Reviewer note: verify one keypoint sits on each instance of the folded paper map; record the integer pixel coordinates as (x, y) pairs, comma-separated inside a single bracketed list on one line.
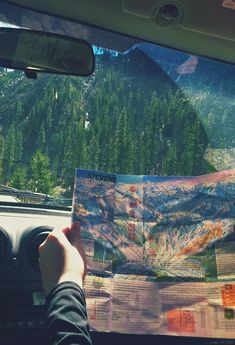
[(160, 252)]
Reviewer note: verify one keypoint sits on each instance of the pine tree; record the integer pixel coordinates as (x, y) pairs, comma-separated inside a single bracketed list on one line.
[(93, 152), (68, 164), (19, 178), (2, 148), (41, 138), (41, 176), (10, 151), (170, 162), (123, 147)]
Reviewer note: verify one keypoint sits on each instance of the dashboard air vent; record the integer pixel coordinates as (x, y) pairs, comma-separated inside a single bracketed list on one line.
[(33, 252)]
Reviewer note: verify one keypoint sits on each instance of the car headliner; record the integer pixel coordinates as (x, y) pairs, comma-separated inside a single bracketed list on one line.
[(204, 27)]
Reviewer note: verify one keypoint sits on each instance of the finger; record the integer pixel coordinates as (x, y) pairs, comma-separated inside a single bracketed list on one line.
[(65, 231), (59, 235), (40, 248), (76, 227)]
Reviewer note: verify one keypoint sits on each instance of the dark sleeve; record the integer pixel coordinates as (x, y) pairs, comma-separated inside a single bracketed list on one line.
[(66, 316)]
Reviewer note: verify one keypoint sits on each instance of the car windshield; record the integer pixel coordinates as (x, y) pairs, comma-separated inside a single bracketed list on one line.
[(146, 110)]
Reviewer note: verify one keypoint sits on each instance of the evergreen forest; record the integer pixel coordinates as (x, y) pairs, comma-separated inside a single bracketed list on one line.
[(128, 118)]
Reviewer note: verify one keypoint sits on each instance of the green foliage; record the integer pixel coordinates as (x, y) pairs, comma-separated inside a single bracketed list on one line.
[(126, 118), (122, 145), (2, 148), (19, 178), (41, 177)]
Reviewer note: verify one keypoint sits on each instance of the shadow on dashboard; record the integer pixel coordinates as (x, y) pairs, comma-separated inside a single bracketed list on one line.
[(127, 339)]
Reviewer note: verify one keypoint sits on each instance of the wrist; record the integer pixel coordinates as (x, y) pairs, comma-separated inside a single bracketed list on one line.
[(65, 277)]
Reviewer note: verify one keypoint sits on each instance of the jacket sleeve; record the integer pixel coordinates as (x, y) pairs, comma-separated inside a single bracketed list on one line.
[(66, 316)]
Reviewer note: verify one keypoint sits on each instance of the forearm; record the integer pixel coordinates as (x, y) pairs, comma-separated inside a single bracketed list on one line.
[(67, 322)]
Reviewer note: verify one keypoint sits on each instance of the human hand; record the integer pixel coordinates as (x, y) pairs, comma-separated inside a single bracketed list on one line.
[(62, 258)]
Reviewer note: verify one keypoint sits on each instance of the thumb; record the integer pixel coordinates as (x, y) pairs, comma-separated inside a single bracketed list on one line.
[(61, 235), (74, 234)]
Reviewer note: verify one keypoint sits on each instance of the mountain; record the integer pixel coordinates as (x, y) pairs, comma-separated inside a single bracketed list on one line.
[(128, 117)]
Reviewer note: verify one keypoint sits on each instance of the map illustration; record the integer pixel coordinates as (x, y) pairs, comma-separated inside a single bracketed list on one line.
[(166, 227), (166, 241)]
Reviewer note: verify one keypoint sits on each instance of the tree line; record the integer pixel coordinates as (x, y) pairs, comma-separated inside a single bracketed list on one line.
[(126, 118)]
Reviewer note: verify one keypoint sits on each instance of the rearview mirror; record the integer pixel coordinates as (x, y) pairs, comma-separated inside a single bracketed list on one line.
[(36, 51)]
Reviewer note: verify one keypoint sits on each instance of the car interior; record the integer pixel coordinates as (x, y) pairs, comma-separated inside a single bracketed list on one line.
[(135, 87)]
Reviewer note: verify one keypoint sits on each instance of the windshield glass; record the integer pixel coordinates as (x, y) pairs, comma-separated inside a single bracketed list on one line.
[(145, 110)]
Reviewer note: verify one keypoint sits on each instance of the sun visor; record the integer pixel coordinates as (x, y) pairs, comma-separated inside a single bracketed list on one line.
[(212, 18), (14, 16), (202, 16), (140, 8)]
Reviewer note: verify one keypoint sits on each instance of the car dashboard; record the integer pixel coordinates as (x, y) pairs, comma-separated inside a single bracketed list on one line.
[(22, 230)]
